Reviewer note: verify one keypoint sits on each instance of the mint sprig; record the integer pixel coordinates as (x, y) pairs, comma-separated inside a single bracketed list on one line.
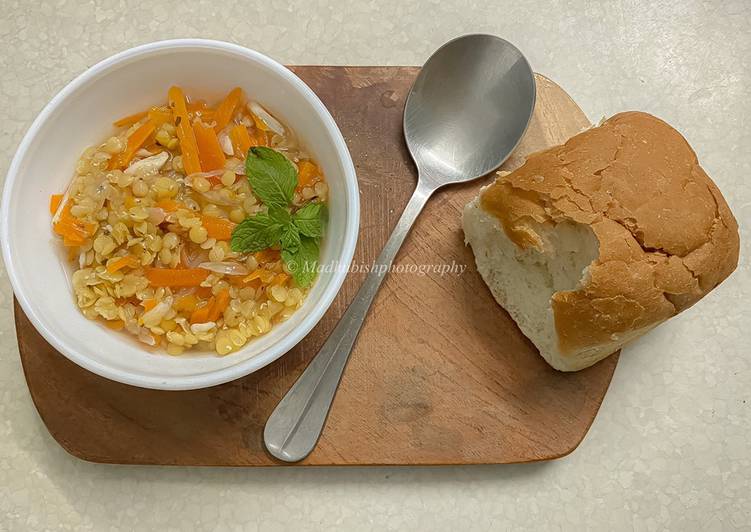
[(271, 175), (260, 231), (310, 218), (303, 263), (273, 179)]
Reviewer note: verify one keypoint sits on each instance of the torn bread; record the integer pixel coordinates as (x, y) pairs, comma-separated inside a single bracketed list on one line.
[(591, 244)]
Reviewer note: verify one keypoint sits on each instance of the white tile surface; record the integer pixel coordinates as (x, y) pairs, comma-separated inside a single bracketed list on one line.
[(671, 444)]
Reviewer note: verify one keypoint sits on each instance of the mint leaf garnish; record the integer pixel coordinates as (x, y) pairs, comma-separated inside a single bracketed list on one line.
[(256, 233), (271, 176), (273, 179), (290, 239), (303, 263), (280, 215), (309, 220)]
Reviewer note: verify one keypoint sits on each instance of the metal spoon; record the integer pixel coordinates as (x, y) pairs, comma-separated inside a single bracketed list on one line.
[(465, 114)]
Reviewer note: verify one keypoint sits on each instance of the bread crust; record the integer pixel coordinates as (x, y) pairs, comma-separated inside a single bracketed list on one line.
[(666, 235)]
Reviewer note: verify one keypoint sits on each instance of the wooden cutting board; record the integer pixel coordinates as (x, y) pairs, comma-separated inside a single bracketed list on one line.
[(440, 374)]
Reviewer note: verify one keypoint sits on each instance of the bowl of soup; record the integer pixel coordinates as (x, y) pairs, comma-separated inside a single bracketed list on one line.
[(180, 215)]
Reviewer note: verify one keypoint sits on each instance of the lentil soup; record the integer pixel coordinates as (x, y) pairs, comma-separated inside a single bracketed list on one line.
[(194, 226)]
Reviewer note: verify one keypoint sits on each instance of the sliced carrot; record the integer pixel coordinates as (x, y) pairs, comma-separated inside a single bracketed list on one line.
[(201, 314), (55, 200), (203, 292), (152, 147), (242, 282), (186, 303), (135, 141), (280, 278), (265, 276), (170, 205), (160, 116), (176, 276), (307, 172), (260, 137), (200, 109), (215, 179), (212, 310), (221, 301), (177, 102), (219, 228), (255, 274), (185, 135), (209, 150), (129, 120), (148, 304), (196, 106), (128, 261), (73, 241), (74, 231), (241, 140), (267, 255), (226, 109)]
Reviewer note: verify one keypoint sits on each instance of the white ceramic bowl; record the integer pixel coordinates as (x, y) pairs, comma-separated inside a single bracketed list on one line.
[(79, 116)]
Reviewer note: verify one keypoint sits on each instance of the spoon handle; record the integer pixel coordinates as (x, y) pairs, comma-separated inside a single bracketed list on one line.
[(295, 425)]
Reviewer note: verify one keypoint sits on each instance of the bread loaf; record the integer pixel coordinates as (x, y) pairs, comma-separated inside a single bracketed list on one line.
[(591, 244)]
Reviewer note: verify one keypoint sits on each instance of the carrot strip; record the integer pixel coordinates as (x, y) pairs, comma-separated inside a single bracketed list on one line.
[(260, 137), (221, 301), (197, 106), (187, 302), (159, 116), (227, 108), (135, 141), (178, 277), (129, 120), (170, 205), (71, 241), (265, 276), (128, 261), (201, 314), (148, 304), (236, 280), (185, 135), (199, 109), (55, 200), (255, 274), (177, 102), (241, 140), (203, 291), (215, 179), (74, 231), (210, 151), (267, 255), (307, 172), (219, 228), (212, 310), (280, 278)]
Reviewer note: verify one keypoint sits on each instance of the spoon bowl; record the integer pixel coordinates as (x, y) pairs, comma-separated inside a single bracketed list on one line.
[(468, 109)]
